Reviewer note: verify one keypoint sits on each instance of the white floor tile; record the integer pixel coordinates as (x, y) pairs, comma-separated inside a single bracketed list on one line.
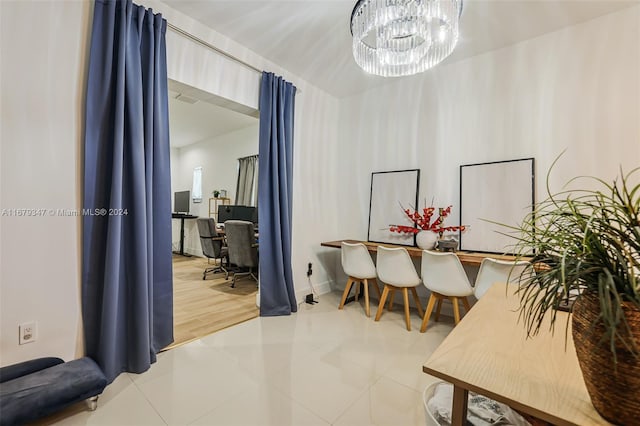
[(320, 366), (323, 383), (385, 403), (376, 353), (407, 368), (261, 405), (192, 358), (191, 388), (263, 361), (121, 403)]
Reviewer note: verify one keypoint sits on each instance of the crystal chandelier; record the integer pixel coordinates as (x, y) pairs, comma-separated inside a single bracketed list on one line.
[(393, 38)]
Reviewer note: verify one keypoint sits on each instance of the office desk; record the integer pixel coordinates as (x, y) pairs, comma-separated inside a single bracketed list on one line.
[(488, 353), (182, 217), (467, 258)]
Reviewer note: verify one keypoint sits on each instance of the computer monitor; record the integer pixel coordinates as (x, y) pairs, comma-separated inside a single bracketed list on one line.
[(181, 202), (248, 213)]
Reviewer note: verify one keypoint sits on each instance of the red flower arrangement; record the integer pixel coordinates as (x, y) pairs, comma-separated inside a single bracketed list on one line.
[(424, 223)]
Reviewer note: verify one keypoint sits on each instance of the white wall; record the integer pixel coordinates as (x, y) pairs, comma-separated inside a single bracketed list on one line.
[(576, 89), (218, 158), (174, 154), (44, 56)]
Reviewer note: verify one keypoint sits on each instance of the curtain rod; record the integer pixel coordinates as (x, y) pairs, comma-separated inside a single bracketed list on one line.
[(212, 47), (215, 49)]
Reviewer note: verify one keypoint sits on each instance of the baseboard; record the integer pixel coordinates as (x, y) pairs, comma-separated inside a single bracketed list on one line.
[(194, 251), (320, 289)]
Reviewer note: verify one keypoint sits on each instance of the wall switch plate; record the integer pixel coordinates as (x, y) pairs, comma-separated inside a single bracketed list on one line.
[(28, 332)]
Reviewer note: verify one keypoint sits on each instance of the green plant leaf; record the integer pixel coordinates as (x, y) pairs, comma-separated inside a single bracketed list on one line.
[(585, 241)]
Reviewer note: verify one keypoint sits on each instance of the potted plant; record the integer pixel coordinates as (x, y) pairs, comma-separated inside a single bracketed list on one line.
[(586, 243)]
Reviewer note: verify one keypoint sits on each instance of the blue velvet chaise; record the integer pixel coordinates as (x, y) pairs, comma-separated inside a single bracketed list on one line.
[(33, 389)]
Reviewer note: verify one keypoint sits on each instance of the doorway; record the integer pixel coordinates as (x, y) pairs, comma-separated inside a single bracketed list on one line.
[(208, 136)]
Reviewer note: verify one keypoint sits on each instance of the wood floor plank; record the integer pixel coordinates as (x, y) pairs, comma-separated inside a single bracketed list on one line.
[(202, 307)]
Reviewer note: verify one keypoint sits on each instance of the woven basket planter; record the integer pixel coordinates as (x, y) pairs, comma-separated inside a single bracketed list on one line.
[(614, 390)]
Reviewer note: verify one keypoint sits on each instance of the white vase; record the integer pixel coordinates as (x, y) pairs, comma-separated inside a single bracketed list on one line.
[(426, 240)]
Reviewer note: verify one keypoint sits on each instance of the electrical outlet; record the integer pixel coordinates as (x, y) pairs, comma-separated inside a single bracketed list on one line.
[(309, 269), (28, 332)]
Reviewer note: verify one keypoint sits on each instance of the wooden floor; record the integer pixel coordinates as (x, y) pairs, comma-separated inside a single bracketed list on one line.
[(204, 307)]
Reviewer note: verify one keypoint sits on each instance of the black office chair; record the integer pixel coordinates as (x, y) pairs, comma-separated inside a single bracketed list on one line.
[(212, 246), (243, 249)]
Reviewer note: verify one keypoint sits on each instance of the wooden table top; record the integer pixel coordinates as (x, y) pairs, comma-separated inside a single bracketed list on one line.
[(488, 353), (467, 258)]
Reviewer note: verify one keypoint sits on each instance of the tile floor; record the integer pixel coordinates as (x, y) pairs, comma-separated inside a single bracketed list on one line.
[(320, 366)]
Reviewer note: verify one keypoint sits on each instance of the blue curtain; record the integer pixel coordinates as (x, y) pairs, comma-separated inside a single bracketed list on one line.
[(277, 105), (127, 284)]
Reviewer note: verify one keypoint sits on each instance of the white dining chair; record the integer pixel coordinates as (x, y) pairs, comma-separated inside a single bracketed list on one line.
[(395, 269), (357, 264), (445, 278), (499, 271)]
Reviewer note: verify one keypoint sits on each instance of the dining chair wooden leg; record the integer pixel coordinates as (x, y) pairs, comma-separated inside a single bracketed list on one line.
[(358, 283), (465, 302), (392, 293), (347, 288), (438, 307), (375, 286), (405, 296), (456, 310), (383, 299), (425, 320), (366, 298), (417, 300)]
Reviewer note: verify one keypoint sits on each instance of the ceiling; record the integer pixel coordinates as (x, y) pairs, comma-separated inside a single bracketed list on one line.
[(195, 118), (311, 38)]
